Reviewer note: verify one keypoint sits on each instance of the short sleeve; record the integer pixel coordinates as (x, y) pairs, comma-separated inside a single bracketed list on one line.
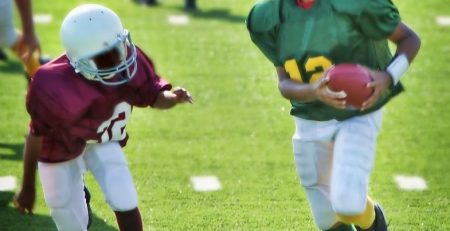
[(147, 84), (379, 19), (262, 24), (147, 93)]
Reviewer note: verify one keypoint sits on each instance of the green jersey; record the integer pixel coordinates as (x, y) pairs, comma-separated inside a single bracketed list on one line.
[(306, 42)]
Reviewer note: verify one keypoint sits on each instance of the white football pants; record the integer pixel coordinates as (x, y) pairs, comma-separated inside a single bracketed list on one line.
[(63, 184), (8, 35), (334, 160)]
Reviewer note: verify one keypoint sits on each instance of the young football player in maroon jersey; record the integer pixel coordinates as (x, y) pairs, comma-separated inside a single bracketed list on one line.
[(79, 105), (24, 43)]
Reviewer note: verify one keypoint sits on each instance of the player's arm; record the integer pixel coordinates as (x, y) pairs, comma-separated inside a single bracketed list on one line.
[(25, 197), (292, 90), (28, 42), (169, 98), (408, 45)]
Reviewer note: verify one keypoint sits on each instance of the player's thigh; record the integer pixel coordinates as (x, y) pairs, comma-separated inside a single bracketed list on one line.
[(313, 160), (108, 164), (354, 156), (8, 34), (61, 182), (313, 151)]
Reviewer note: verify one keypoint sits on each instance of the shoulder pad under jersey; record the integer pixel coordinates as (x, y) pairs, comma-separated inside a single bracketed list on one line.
[(264, 16), (351, 7)]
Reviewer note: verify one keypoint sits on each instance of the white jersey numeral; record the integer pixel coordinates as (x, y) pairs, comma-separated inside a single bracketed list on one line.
[(114, 128)]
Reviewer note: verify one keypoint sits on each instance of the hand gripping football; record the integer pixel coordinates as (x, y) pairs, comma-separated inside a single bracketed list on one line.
[(352, 79)]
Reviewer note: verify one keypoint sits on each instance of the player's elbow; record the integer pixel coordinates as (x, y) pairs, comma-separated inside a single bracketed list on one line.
[(282, 88)]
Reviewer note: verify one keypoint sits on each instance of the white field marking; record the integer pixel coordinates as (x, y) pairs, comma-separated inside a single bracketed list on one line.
[(178, 20), (410, 183), (205, 183), (7, 183), (443, 20), (42, 18)]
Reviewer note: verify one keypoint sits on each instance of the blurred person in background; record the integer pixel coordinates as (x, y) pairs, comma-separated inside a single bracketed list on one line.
[(24, 43), (188, 4)]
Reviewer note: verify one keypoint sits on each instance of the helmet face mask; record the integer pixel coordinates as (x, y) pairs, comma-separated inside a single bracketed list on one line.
[(124, 70), (97, 45)]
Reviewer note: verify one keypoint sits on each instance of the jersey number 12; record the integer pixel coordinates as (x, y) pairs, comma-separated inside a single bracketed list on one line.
[(314, 65)]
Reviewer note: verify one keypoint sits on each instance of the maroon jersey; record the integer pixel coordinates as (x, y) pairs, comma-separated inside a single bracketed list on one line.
[(70, 111)]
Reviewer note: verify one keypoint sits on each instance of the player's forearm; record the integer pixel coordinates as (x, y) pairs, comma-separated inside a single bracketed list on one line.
[(33, 147), (165, 100), (292, 90), (26, 16)]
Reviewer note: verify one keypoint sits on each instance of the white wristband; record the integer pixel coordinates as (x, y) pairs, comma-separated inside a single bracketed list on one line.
[(397, 68)]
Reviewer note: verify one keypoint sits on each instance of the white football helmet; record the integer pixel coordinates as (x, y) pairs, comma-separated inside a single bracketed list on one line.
[(90, 30)]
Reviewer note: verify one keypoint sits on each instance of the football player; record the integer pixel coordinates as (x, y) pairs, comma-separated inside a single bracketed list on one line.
[(25, 43), (79, 105), (334, 147)]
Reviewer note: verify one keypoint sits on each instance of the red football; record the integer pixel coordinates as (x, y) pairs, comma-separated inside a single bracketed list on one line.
[(352, 79)]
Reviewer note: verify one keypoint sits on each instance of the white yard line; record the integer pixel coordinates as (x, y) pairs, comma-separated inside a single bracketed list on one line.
[(205, 183), (410, 183), (8, 183), (179, 20), (42, 18), (443, 20)]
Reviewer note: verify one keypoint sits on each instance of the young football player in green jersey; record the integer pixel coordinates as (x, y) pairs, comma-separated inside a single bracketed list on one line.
[(334, 147)]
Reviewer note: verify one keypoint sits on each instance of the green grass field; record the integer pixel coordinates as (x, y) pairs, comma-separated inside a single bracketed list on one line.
[(239, 128)]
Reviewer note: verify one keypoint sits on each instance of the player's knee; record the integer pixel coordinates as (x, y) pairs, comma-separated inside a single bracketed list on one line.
[(348, 208), (324, 224), (123, 201), (305, 163), (348, 202), (121, 193), (349, 191), (58, 198), (65, 219)]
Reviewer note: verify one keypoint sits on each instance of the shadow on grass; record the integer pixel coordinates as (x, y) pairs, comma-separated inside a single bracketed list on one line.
[(11, 67), (214, 14), (16, 150), (12, 220)]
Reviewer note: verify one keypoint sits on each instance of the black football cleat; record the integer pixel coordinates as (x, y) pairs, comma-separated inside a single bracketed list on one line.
[(380, 222), (87, 196)]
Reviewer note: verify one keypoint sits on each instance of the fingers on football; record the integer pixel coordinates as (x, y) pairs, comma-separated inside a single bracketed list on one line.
[(335, 94), (372, 99), (341, 104), (324, 81)]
